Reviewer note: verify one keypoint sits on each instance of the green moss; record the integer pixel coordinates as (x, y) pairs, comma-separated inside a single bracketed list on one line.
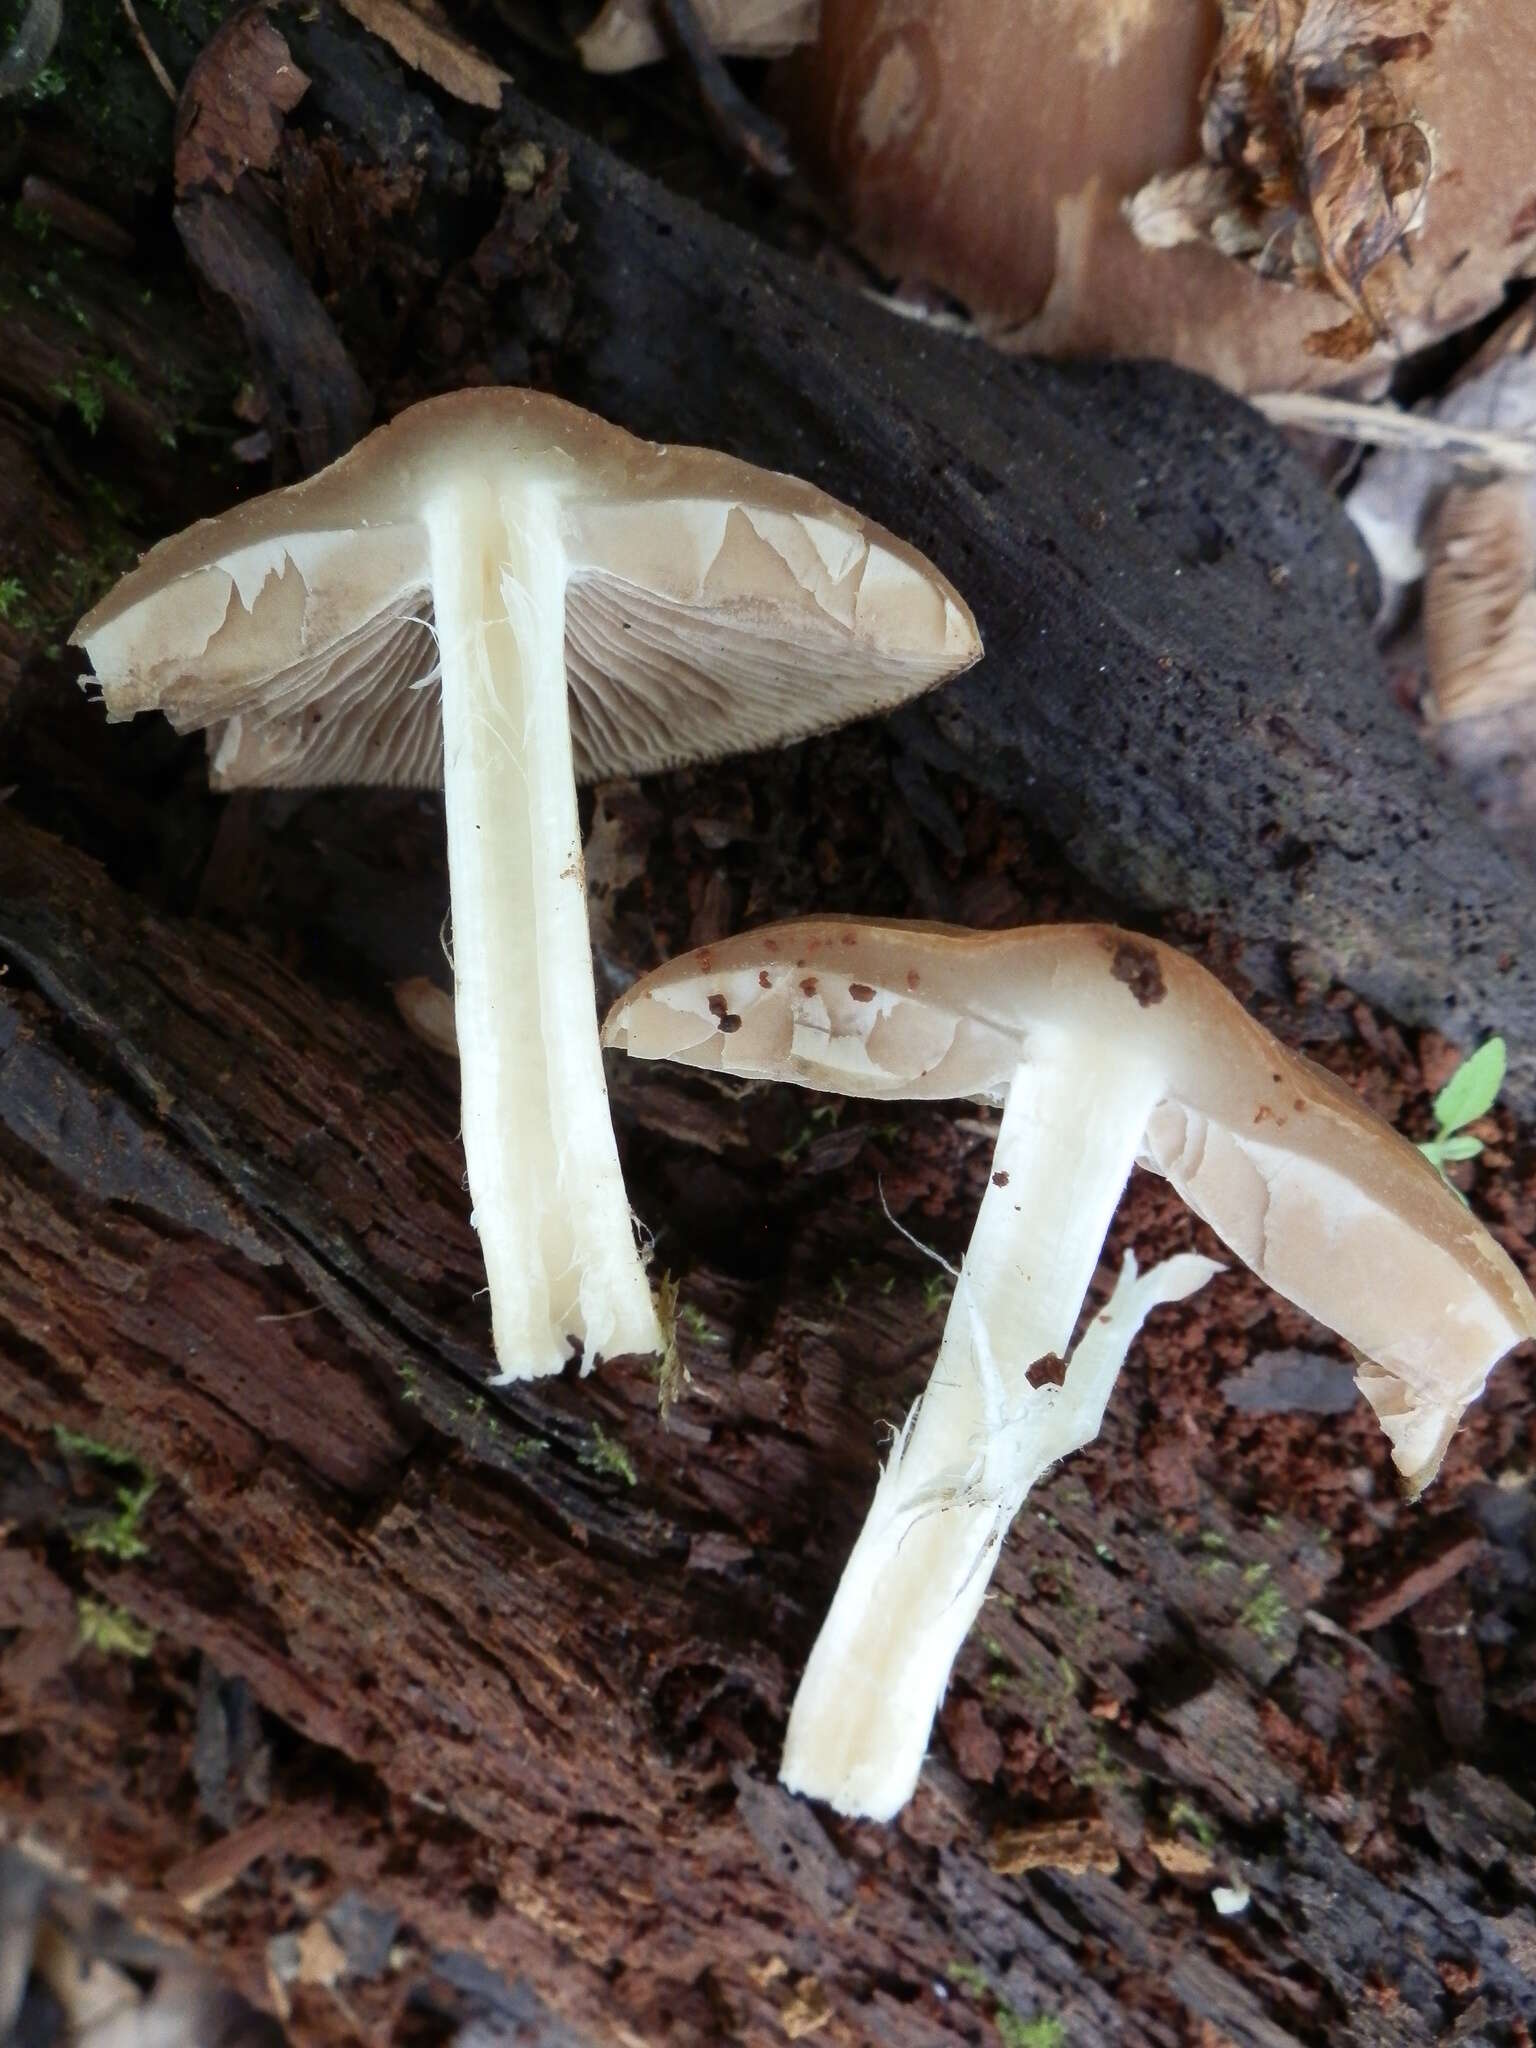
[(112, 1630), (1266, 1613), (1044, 2031), (607, 1456), (76, 1444), (970, 1978), (525, 1447), (13, 600), (119, 1533), (937, 1290), (83, 391), (1185, 1814)]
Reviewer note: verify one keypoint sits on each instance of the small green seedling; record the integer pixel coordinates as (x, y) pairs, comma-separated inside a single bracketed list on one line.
[(1469, 1094)]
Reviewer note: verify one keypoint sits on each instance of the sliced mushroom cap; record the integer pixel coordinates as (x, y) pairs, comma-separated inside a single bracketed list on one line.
[(702, 595), (1329, 1205)]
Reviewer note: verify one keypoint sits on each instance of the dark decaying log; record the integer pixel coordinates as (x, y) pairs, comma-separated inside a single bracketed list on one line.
[(398, 1688)]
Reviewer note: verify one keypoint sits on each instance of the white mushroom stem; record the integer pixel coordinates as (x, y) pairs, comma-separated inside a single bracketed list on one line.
[(981, 1435), (548, 1197)]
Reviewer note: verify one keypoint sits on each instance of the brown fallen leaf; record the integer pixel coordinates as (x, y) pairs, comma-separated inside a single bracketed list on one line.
[(807, 2012), (230, 116), (322, 1959), (1315, 168), (1070, 1845), (433, 50)]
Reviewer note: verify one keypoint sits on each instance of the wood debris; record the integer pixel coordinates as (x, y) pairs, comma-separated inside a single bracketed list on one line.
[(428, 46), (1070, 1845), (1315, 169)]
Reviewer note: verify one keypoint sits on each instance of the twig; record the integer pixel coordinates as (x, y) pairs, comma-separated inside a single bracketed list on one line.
[(1384, 426), (744, 129), (162, 77)]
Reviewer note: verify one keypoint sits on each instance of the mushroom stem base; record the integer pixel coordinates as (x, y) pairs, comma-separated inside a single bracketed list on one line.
[(981, 1435), (547, 1192)]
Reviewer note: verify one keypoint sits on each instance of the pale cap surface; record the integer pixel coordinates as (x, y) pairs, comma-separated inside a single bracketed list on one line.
[(1322, 1199)]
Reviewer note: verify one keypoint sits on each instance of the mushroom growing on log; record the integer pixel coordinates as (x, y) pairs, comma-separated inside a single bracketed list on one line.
[(505, 592), (1105, 1051)]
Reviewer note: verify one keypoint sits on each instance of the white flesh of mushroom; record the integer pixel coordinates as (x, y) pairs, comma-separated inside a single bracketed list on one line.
[(980, 1436), (1075, 1116), (550, 1206)]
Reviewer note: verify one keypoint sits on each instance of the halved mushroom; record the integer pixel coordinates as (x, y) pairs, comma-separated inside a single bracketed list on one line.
[(1106, 1051), (504, 593)]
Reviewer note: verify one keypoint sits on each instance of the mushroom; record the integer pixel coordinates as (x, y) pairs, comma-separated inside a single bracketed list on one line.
[(504, 593), (1179, 162), (1480, 599), (1105, 1051)]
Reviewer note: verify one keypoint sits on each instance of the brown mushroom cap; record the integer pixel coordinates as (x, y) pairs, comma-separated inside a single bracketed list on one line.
[(990, 150), (1480, 599), (1321, 1198), (711, 607)]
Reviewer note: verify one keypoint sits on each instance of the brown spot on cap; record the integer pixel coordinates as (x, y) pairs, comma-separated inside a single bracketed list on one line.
[(808, 986), (1140, 969), (1300, 1105), (861, 991), (850, 938), (722, 1014), (762, 978), (1000, 1178), (913, 977), (1264, 1114)]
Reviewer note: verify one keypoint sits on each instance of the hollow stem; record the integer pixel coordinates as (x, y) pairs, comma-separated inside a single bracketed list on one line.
[(981, 1434), (548, 1196)]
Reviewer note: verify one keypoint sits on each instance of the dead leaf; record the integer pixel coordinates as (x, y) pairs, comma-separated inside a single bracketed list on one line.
[(1315, 168), (230, 116), (807, 2012), (1070, 1845), (322, 1959), (432, 50), (1180, 1857)]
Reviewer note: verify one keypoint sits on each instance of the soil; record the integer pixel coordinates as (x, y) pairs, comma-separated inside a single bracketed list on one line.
[(418, 1701)]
